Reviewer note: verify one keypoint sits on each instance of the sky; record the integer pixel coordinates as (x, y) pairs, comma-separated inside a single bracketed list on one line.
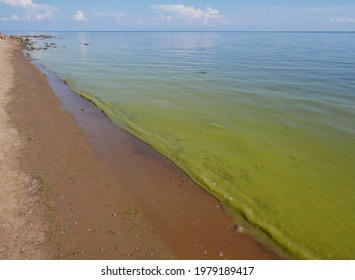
[(178, 15)]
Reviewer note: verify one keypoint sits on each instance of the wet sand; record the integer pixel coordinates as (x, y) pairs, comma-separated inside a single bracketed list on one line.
[(104, 193)]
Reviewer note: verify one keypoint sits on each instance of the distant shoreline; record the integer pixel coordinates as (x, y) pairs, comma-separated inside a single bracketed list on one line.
[(17, 33)]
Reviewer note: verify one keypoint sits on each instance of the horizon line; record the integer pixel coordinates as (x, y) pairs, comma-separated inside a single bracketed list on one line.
[(256, 31)]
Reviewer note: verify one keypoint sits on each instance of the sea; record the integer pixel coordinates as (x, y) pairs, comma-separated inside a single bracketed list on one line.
[(263, 121)]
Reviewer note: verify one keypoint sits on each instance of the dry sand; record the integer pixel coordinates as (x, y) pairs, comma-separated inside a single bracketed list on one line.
[(93, 191), (21, 214)]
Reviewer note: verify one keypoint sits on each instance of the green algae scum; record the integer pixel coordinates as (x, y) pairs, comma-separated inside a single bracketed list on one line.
[(263, 121)]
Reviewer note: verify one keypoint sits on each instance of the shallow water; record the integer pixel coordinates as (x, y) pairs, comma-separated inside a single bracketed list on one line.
[(263, 121)]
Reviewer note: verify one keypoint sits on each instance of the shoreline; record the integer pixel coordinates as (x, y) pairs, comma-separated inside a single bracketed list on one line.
[(109, 195)]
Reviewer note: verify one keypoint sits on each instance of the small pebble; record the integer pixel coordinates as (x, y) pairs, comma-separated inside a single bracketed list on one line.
[(238, 228)]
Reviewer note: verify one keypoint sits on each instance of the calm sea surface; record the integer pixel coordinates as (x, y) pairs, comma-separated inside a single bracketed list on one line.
[(263, 121)]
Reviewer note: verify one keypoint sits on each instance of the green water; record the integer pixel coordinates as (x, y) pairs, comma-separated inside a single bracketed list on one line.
[(263, 121)]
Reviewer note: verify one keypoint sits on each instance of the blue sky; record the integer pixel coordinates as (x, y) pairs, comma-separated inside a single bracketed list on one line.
[(243, 15)]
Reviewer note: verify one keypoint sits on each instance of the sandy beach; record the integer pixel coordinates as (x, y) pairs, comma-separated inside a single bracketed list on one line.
[(22, 219), (74, 186)]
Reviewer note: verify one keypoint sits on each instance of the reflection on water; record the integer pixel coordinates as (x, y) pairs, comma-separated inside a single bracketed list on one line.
[(83, 40)]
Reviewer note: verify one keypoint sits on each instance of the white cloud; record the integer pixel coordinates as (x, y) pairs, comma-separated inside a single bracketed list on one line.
[(32, 11), (17, 3), (79, 16), (13, 18), (118, 15), (342, 20), (166, 18), (187, 14), (212, 11)]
